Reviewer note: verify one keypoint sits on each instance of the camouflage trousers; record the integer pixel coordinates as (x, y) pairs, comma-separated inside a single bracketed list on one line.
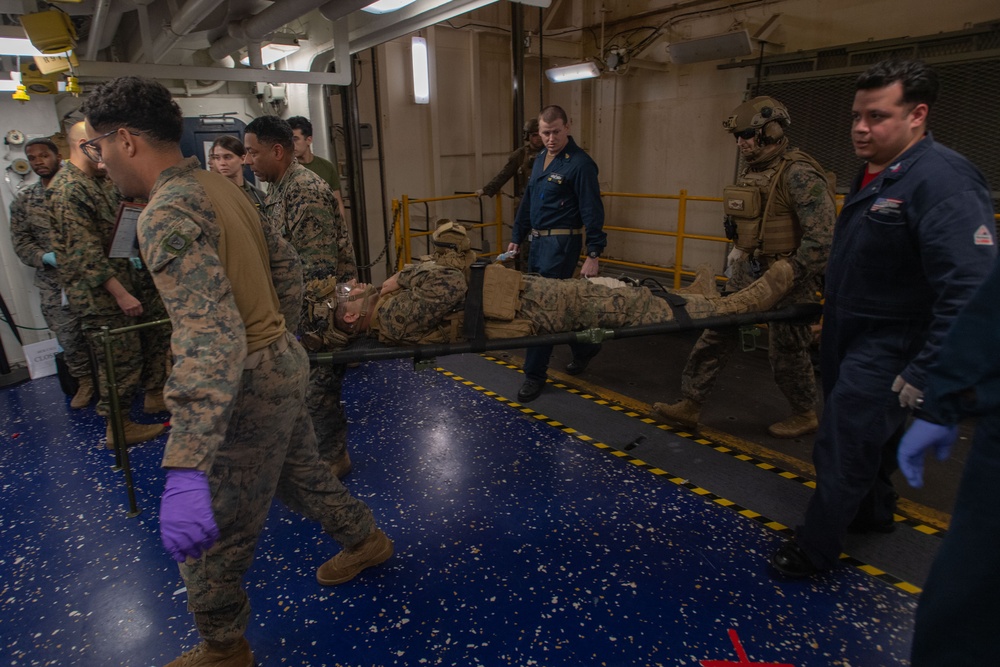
[(140, 357), (788, 351), (269, 452), (328, 418), (65, 324)]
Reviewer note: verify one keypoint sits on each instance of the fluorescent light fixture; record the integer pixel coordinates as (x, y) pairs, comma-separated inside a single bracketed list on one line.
[(587, 70), (14, 46), (386, 6), (8, 86), (271, 53), (421, 78)]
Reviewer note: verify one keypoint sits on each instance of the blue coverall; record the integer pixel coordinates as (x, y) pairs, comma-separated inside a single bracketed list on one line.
[(565, 195), (909, 249), (958, 614)]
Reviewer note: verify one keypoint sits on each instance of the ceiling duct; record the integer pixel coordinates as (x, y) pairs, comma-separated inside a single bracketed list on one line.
[(714, 47)]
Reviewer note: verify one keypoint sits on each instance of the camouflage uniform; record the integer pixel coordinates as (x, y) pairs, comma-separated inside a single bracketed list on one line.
[(519, 162), (301, 208), (431, 292), (83, 211), (232, 289), (814, 212), (31, 232)]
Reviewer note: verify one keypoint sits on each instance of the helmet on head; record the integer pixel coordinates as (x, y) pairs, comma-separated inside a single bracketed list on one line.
[(755, 114), (531, 127), (451, 236)]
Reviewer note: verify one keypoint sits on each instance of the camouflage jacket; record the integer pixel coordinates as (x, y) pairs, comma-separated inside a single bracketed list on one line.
[(805, 192), (302, 209), (230, 286), (519, 162), (31, 233), (83, 210)]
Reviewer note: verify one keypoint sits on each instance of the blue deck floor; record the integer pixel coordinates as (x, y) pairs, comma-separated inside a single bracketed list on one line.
[(516, 544)]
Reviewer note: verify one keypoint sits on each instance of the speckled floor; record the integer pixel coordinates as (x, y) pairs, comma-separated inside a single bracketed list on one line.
[(516, 544)]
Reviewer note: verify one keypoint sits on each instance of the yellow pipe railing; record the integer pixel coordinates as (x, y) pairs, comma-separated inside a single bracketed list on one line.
[(406, 234)]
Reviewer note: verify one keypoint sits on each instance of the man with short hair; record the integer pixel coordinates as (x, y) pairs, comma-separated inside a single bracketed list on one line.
[(107, 291), (561, 203), (781, 207), (424, 302), (300, 207), (241, 435), (302, 140), (914, 240), (31, 233)]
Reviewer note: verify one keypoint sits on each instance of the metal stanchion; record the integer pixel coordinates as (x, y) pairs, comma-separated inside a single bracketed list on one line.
[(116, 418)]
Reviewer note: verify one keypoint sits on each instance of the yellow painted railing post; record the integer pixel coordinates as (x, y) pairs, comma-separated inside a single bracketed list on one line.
[(679, 247)]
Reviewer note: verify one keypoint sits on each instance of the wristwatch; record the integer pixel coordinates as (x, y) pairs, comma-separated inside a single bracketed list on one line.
[(593, 254)]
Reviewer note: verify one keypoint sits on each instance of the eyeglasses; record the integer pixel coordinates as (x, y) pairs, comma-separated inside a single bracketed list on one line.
[(746, 134), (91, 148)]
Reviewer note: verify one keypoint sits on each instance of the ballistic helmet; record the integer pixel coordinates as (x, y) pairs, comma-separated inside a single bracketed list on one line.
[(531, 127), (451, 236), (755, 114)]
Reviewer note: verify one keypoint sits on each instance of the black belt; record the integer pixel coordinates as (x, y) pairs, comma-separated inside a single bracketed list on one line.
[(535, 233)]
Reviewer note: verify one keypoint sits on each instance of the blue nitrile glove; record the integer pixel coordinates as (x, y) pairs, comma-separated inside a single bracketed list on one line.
[(187, 524), (920, 437), (49, 258), (136, 262)]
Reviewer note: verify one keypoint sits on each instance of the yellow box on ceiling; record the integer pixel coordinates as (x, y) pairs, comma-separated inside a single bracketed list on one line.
[(38, 83), (50, 32)]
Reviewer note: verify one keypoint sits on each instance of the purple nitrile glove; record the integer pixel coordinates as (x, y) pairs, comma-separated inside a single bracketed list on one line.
[(920, 437), (187, 524)]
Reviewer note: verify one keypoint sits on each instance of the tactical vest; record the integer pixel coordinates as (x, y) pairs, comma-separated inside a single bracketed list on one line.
[(761, 207)]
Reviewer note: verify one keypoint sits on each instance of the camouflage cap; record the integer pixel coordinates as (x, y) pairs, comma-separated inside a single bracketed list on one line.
[(531, 127), (756, 113)]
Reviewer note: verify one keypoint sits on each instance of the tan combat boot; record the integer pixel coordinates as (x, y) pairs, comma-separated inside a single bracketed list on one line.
[(153, 402), (135, 433), (84, 393), (342, 467), (763, 293), (685, 412), (703, 283), (349, 563), (205, 654), (795, 426)]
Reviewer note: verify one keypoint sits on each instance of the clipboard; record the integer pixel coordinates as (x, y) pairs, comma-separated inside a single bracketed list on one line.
[(125, 238)]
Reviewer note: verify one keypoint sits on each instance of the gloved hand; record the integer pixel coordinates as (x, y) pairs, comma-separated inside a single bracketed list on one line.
[(187, 524), (920, 437), (735, 255), (49, 258), (136, 262)]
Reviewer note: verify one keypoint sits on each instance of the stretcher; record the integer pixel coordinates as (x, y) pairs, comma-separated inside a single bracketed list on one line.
[(369, 349)]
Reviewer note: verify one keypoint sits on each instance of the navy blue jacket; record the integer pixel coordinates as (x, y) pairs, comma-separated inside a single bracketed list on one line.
[(965, 378), (567, 195), (913, 245)]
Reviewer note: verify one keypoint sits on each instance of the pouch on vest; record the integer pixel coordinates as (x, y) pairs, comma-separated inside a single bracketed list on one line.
[(501, 293), (741, 201)]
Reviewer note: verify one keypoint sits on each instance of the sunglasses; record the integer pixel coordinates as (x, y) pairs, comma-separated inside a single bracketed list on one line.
[(746, 135)]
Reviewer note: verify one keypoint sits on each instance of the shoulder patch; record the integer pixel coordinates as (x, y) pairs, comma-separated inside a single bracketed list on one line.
[(175, 243), (983, 236)]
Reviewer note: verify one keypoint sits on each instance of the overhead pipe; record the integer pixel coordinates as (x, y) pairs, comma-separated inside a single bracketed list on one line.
[(97, 28), (183, 22), (259, 26)]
